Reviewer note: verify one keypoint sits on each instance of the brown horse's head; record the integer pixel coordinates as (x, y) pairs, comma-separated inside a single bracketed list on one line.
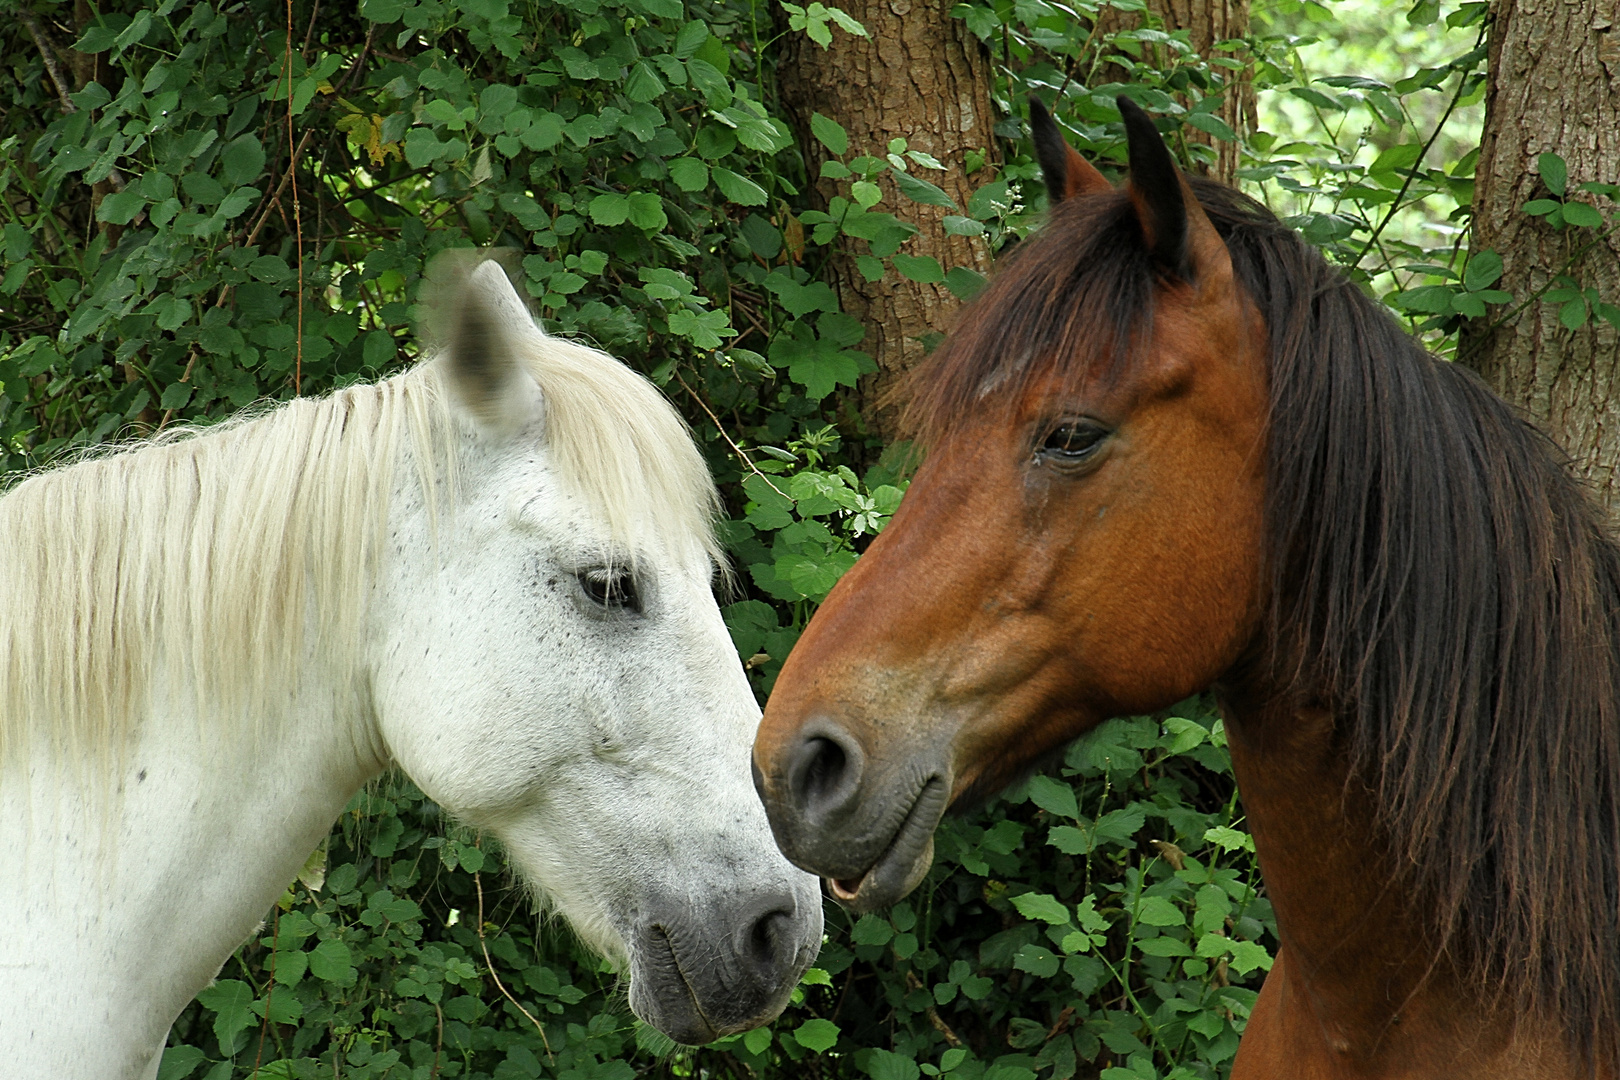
[(1083, 539)]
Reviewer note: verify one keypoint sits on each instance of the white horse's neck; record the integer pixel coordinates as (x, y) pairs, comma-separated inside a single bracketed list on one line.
[(133, 899)]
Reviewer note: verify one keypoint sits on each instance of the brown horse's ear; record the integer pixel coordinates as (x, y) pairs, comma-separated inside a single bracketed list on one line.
[(1178, 233), (1067, 174)]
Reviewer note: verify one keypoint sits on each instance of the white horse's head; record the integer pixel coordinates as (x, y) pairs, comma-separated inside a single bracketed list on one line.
[(549, 664)]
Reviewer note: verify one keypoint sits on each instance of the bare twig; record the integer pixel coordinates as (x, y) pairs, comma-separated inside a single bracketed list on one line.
[(264, 1028), (478, 883), (951, 1038), (191, 360), (275, 197), (746, 460), (439, 1046), (47, 52), (53, 67)]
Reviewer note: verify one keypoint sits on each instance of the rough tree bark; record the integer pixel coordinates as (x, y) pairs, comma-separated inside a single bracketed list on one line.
[(924, 78), (1208, 22), (1554, 87)]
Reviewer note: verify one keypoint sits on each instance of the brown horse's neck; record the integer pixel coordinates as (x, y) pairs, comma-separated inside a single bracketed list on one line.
[(1358, 989)]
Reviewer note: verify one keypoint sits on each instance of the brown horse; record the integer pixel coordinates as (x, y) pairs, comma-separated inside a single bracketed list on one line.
[(1171, 448)]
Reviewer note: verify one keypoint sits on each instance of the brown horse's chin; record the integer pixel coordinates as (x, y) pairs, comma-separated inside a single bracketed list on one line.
[(905, 862)]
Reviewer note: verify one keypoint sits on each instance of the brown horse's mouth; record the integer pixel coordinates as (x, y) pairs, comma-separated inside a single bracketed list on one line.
[(905, 860)]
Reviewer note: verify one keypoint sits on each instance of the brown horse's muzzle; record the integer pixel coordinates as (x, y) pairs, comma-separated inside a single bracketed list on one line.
[(866, 826)]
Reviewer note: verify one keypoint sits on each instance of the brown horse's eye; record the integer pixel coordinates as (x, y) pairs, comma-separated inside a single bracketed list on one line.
[(612, 589), (1073, 441)]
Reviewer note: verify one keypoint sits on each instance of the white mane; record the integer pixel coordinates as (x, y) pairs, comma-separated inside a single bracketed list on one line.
[(217, 553)]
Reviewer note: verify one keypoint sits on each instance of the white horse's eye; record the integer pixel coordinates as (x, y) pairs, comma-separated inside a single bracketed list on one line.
[(611, 588)]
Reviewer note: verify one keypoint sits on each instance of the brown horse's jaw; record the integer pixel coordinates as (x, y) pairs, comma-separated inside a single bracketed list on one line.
[(904, 862)]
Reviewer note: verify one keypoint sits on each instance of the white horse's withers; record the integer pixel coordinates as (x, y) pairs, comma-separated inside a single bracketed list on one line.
[(493, 571)]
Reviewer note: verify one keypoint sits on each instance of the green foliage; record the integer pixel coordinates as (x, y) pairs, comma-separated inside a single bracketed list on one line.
[(162, 263)]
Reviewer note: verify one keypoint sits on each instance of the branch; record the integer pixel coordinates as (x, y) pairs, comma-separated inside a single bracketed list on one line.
[(48, 53), (739, 451), (478, 883), (53, 66)]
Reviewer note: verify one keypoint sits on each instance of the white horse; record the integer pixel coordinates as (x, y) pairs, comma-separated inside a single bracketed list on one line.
[(493, 571)]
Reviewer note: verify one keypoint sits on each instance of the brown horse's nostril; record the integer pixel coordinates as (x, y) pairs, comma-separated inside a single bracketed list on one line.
[(825, 772)]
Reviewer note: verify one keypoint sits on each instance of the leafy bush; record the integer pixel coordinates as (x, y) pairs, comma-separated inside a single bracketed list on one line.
[(163, 263)]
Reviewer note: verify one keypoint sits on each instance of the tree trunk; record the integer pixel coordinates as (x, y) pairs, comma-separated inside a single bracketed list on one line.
[(924, 78), (1209, 21), (1554, 87)]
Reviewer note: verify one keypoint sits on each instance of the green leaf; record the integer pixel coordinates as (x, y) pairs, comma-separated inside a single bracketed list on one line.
[(888, 1065), (1070, 840), (179, 1062), (1041, 906), (1424, 13), (829, 133), (121, 207), (872, 930), (1228, 839), (964, 283), (271, 268), (738, 189), (1053, 796), (1247, 956), (847, 21), (1163, 946), (231, 1002), (241, 161), (1038, 960), (1121, 825), (1554, 173), (646, 211), (1483, 270), (870, 266), (1396, 159), (175, 396), (690, 39), (330, 962), (818, 1036), (290, 966), (610, 209), (1316, 97), (918, 190), (1158, 911), (923, 269), (382, 11), (379, 348), (711, 83), (1573, 314), (643, 83), (757, 1040), (689, 174), (1583, 215), (1214, 125)]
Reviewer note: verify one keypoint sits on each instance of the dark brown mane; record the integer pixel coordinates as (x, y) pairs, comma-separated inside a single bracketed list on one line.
[(1436, 575)]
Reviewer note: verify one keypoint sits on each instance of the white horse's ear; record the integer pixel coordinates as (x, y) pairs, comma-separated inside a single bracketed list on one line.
[(484, 329)]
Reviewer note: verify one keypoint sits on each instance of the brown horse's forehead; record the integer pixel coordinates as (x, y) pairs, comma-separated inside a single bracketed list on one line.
[(1192, 348)]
